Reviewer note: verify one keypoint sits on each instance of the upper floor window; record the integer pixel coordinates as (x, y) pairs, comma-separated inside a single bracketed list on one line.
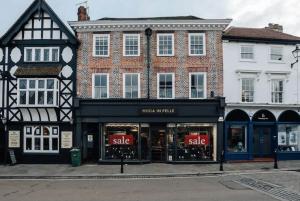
[(277, 91), (131, 44), (165, 85), (276, 54), (41, 139), (41, 54), (165, 44), (247, 90), (247, 52), (131, 85), (196, 44), (37, 92), (197, 85), (100, 85), (101, 45)]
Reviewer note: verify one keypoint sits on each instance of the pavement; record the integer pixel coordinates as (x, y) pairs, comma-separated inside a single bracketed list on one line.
[(38, 171)]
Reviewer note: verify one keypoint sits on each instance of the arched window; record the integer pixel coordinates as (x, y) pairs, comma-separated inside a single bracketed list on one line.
[(237, 115), (264, 116)]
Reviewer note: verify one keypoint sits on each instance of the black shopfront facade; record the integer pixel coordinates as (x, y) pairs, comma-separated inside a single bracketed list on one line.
[(146, 130)]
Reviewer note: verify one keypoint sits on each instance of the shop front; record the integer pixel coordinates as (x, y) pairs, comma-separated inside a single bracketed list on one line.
[(142, 131)]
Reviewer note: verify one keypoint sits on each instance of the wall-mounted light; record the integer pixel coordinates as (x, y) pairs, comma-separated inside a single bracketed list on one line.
[(295, 53)]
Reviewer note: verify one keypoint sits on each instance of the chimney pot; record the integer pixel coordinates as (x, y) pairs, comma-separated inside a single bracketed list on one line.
[(82, 14)]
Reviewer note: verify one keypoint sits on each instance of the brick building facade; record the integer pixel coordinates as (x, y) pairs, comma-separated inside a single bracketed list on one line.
[(149, 89)]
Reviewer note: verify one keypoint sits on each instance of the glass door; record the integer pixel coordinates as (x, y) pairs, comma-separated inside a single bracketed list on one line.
[(158, 138)]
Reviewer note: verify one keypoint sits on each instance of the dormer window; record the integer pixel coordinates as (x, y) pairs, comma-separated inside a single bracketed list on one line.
[(41, 54)]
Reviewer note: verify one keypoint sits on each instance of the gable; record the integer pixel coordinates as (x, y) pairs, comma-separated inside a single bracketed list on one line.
[(39, 22), (41, 26)]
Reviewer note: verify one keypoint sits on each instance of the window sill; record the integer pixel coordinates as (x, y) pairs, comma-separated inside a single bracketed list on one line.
[(165, 55), (131, 55), (247, 60), (276, 62), (197, 55), (37, 106), (101, 56)]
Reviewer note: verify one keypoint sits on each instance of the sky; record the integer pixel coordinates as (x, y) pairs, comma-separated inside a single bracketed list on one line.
[(245, 13)]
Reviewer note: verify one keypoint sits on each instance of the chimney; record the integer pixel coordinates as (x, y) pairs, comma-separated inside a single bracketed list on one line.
[(275, 27), (82, 14)]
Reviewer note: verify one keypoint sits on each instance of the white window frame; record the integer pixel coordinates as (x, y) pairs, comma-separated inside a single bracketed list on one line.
[(270, 54), (41, 137), (157, 44), (204, 84), (42, 54), (246, 45), (93, 84), (94, 44), (271, 87), (55, 91), (173, 85), (204, 44), (241, 89), (124, 45), (139, 83)]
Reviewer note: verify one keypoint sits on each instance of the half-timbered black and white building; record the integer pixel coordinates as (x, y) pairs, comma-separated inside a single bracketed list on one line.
[(37, 86)]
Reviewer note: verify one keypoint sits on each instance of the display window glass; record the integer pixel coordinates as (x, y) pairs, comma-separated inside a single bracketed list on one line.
[(191, 142), (288, 137), (237, 138), (121, 139)]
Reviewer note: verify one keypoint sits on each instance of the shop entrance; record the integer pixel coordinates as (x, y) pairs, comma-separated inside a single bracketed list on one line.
[(91, 143), (158, 143), (262, 141)]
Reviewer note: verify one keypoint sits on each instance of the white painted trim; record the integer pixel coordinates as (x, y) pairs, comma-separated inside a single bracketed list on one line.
[(204, 84), (124, 45), (157, 45), (240, 52), (42, 54), (93, 84), (204, 44), (139, 83), (173, 85), (94, 44)]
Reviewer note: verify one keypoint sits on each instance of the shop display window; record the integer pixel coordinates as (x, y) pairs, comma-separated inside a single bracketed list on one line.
[(288, 137), (121, 139), (237, 138), (145, 142), (192, 142)]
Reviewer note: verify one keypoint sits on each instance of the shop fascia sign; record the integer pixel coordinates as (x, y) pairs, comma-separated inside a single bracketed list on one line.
[(196, 139), (158, 111), (120, 139)]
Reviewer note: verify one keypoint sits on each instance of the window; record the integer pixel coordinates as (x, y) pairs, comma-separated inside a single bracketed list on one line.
[(41, 54), (247, 90), (247, 52), (131, 45), (131, 85), (196, 44), (165, 83), (101, 45), (197, 85), (288, 138), (100, 85), (41, 139), (276, 54), (277, 91), (165, 44), (38, 92), (237, 138)]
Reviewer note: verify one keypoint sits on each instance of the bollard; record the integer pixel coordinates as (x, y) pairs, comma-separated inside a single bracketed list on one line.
[(275, 159), (122, 164), (221, 161)]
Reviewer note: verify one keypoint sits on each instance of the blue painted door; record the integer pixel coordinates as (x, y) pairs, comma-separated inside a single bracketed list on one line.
[(262, 141)]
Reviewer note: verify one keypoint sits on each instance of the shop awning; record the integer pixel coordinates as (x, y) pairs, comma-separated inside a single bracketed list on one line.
[(41, 71)]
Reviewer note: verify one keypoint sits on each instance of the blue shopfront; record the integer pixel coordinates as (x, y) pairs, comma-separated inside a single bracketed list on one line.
[(258, 137)]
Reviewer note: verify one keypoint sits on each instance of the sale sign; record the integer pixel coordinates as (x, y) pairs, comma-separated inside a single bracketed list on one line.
[(120, 139), (196, 139)]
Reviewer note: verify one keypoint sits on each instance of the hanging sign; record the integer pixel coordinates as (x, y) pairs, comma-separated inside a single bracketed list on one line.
[(117, 139), (14, 139), (196, 139), (66, 139)]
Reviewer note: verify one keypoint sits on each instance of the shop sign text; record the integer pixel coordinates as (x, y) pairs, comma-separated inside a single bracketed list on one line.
[(196, 140), (120, 139), (158, 111)]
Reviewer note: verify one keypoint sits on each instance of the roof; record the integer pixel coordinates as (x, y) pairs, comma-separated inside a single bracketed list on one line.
[(189, 17), (36, 6), (49, 71), (258, 34)]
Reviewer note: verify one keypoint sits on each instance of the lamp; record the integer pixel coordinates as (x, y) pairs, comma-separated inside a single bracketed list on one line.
[(4, 120), (295, 53)]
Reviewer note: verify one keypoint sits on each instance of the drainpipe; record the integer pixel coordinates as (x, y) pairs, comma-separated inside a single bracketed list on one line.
[(148, 33)]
